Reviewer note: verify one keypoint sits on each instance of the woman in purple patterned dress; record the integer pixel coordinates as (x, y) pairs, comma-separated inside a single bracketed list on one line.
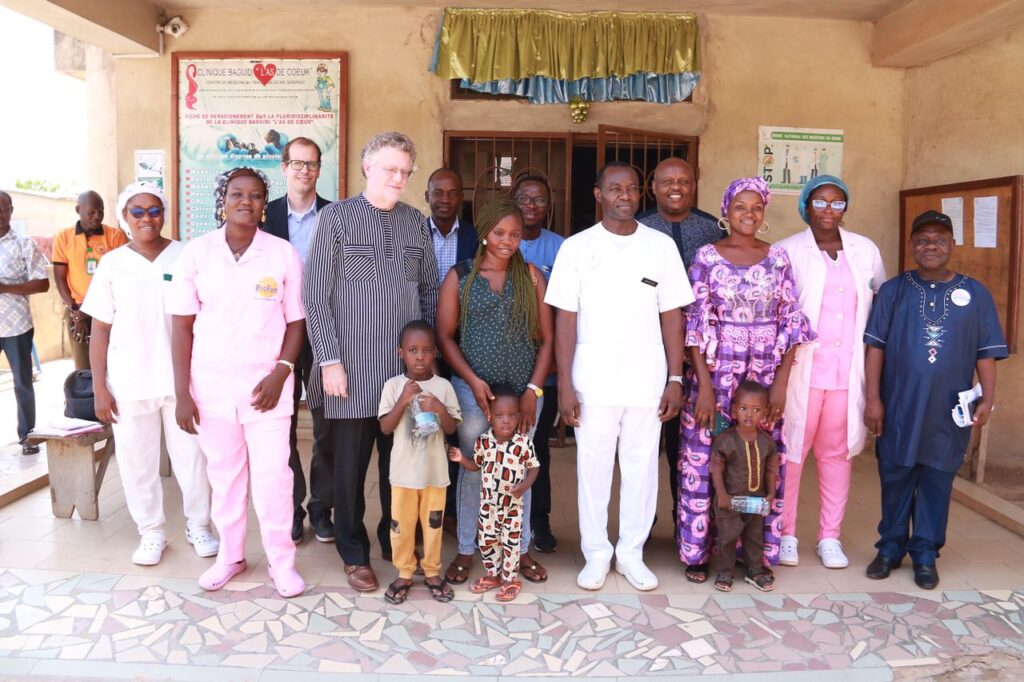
[(745, 324)]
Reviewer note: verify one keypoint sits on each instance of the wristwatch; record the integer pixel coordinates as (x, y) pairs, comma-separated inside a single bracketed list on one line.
[(676, 378), (537, 390)]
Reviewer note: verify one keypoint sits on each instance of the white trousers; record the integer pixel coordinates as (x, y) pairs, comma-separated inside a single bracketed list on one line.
[(637, 433), (137, 443)]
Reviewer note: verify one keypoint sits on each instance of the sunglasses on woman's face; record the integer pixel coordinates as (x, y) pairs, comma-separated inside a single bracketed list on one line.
[(152, 212), (821, 205)]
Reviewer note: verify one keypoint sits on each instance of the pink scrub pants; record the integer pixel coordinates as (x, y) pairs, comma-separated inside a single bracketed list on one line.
[(826, 433), (233, 452)]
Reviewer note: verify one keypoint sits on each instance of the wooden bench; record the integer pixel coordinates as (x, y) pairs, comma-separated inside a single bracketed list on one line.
[(76, 471)]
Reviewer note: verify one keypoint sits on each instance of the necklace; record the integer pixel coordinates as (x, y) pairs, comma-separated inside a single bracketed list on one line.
[(150, 256), (753, 467)]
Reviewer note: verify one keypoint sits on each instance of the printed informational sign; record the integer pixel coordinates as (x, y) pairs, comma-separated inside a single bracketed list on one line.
[(149, 166), (789, 157), (241, 110)]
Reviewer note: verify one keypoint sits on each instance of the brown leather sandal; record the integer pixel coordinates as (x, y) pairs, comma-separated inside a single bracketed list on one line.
[(531, 569), (458, 570)]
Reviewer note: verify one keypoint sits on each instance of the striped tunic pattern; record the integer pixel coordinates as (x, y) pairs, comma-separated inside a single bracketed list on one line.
[(369, 273)]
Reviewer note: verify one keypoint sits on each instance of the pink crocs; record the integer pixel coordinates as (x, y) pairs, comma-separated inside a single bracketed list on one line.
[(287, 581), (218, 575)]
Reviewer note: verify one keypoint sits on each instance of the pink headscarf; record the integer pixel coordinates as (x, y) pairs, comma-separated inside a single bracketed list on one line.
[(742, 185)]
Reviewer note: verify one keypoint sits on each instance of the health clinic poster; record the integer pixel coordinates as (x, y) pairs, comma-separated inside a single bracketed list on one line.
[(242, 112), (789, 157)]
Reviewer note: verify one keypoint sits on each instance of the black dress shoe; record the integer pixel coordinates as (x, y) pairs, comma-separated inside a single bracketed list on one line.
[(323, 528), (29, 449), (926, 576), (297, 529), (881, 567)]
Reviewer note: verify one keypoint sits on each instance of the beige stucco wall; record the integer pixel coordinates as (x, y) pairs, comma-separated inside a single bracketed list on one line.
[(963, 117), (43, 214), (757, 71)]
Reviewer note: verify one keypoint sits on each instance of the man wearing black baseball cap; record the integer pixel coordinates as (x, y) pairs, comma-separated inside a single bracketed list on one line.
[(929, 331)]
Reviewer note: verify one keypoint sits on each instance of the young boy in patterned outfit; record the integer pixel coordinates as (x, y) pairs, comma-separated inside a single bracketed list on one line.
[(509, 467)]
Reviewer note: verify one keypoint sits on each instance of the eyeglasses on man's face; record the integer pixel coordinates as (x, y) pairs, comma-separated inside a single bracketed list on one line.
[(297, 165), (392, 171), (526, 200)]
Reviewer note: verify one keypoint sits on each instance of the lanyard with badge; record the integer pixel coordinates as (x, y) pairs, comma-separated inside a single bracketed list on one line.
[(91, 261)]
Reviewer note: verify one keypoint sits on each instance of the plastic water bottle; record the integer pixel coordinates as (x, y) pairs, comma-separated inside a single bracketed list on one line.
[(424, 423), (747, 504)]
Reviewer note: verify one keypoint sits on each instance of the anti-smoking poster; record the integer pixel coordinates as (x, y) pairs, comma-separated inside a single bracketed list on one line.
[(241, 111), (789, 157)]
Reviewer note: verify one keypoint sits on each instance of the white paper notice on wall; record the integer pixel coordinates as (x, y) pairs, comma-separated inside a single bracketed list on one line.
[(986, 220), (954, 208)]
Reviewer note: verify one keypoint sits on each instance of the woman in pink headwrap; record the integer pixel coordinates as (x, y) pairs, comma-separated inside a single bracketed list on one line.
[(744, 325)]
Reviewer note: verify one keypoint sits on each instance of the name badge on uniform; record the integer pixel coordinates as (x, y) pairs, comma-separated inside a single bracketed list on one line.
[(649, 282), (167, 277), (266, 289)]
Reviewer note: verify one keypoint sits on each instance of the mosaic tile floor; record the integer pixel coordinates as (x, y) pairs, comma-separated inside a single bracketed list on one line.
[(73, 607), (109, 619)]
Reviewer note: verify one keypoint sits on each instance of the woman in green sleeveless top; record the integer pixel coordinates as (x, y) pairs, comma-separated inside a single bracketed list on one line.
[(493, 327)]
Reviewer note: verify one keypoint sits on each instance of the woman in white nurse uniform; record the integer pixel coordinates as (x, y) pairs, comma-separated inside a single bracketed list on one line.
[(133, 379)]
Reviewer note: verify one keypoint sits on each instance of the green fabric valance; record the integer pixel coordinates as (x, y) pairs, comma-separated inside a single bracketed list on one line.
[(485, 45)]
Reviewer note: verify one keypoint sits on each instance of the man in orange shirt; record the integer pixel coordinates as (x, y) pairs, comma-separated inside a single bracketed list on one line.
[(76, 253)]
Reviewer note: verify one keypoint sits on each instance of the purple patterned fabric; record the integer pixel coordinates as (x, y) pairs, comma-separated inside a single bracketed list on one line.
[(742, 185), (744, 320)]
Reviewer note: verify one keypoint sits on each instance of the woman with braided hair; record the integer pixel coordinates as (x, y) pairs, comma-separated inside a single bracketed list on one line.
[(493, 327)]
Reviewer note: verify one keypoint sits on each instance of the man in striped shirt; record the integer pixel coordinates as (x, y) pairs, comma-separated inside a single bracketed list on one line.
[(371, 270)]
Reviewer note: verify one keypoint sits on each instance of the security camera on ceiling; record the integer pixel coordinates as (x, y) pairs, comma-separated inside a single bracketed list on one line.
[(175, 27)]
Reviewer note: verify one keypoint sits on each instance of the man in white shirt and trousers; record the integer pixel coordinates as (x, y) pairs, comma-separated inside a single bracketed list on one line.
[(619, 287)]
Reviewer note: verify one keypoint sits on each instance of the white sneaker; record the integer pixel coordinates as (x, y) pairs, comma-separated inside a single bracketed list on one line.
[(638, 575), (787, 551), (831, 552), (593, 575), (151, 548), (203, 541)]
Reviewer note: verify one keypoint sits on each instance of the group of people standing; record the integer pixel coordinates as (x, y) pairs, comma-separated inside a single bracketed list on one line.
[(436, 343)]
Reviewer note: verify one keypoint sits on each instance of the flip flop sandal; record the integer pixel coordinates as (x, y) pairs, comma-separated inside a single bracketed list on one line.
[(762, 580), (440, 591), (697, 574), (457, 571), (397, 592), (531, 570), (509, 591), (485, 584), (723, 583)]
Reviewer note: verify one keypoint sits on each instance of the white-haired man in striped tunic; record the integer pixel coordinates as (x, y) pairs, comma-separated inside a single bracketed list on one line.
[(371, 270)]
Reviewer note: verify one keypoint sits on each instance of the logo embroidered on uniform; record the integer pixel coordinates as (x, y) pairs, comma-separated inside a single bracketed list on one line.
[(266, 288)]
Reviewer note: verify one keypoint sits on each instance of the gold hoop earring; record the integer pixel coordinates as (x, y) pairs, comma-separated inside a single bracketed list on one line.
[(764, 228), (723, 224), (223, 215), (263, 218)]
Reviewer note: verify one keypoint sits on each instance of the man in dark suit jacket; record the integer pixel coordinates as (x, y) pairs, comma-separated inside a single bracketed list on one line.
[(293, 218), (454, 240)]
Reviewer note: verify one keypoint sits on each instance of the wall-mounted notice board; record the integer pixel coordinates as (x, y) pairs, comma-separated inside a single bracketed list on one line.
[(987, 217)]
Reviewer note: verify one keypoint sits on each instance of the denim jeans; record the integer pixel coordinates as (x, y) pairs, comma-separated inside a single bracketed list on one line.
[(468, 491), (18, 350)]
